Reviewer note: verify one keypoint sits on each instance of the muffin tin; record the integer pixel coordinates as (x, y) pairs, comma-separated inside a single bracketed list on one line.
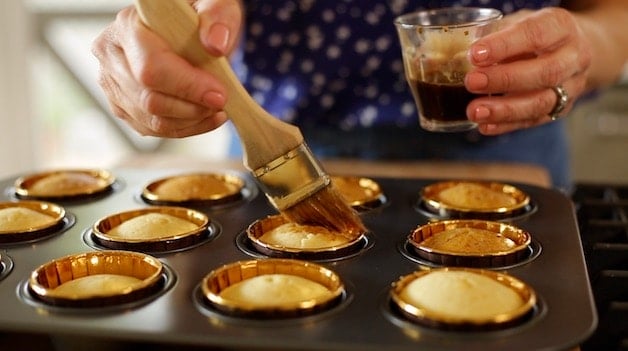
[(364, 318)]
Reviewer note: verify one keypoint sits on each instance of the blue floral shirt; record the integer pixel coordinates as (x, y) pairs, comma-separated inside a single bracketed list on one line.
[(334, 68), (336, 62)]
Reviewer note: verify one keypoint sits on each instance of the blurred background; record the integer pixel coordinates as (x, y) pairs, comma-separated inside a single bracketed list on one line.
[(53, 114)]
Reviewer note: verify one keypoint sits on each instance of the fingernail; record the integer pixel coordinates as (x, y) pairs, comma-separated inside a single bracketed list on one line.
[(481, 113), (476, 81), (479, 53), (214, 99), (490, 128), (218, 37), (154, 123)]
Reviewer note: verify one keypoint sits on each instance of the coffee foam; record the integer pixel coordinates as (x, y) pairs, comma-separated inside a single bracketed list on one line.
[(443, 56)]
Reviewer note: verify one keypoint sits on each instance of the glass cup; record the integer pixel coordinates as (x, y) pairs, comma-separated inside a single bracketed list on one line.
[(434, 45)]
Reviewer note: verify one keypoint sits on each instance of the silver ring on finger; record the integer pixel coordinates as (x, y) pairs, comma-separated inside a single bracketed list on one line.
[(562, 98)]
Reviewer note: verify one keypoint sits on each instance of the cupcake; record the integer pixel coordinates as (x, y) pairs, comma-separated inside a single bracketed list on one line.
[(463, 299), (275, 236), (359, 192), (28, 220), (474, 199), (202, 188), (471, 243), (96, 279), (64, 184), (162, 228), (272, 288)]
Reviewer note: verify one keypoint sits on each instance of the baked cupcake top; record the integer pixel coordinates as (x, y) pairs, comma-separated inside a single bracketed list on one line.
[(97, 284), (359, 192), (70, 183), (470, 243), (152, 226), (276, 236), (475, 196), (96, 279), (28, 220), (474, 200), (469, 240), (274, 290), (461, 295), (18, 219), (197, 189), (297, 236), (463, 298)]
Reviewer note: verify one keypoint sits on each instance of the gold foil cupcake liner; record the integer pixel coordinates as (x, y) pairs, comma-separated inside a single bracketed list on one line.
[(101, 231), (29, 232), (225, 276), (434, 319), (518, 239), (361, 193), (430, 201), (258, 228), (212, 189), (44, 280), (67, 184)]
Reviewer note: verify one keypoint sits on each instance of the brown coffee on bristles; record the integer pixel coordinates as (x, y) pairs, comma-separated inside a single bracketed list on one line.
[(327, 208)]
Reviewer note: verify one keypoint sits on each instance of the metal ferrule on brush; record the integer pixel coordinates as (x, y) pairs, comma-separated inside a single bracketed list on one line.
[(291, 178)]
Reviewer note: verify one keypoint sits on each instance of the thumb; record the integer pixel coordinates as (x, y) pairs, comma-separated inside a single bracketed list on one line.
[(220, 23)]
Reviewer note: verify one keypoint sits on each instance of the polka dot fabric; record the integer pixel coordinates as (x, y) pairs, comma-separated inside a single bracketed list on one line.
[(335, 63)]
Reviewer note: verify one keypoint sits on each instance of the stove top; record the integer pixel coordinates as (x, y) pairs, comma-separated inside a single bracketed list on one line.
[(602, 213)]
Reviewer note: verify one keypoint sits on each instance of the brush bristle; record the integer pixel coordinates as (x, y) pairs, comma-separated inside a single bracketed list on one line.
[(327, 208)]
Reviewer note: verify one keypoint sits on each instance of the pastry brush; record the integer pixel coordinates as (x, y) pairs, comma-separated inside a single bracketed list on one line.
[(273, 151)]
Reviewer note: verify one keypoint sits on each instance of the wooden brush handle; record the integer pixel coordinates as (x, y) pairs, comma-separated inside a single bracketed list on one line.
[(263, 137)]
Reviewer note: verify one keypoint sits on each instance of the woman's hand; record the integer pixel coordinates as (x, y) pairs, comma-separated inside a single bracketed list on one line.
[(520, 64), (154, 90)]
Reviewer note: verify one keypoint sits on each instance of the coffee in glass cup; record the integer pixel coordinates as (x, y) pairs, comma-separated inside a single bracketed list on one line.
[(434, 46)]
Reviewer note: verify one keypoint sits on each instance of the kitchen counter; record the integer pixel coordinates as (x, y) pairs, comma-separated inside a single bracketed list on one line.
[(505, 172)]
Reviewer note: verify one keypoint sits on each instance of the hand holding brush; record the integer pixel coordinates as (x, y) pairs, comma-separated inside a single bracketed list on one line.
[(274, 151)]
